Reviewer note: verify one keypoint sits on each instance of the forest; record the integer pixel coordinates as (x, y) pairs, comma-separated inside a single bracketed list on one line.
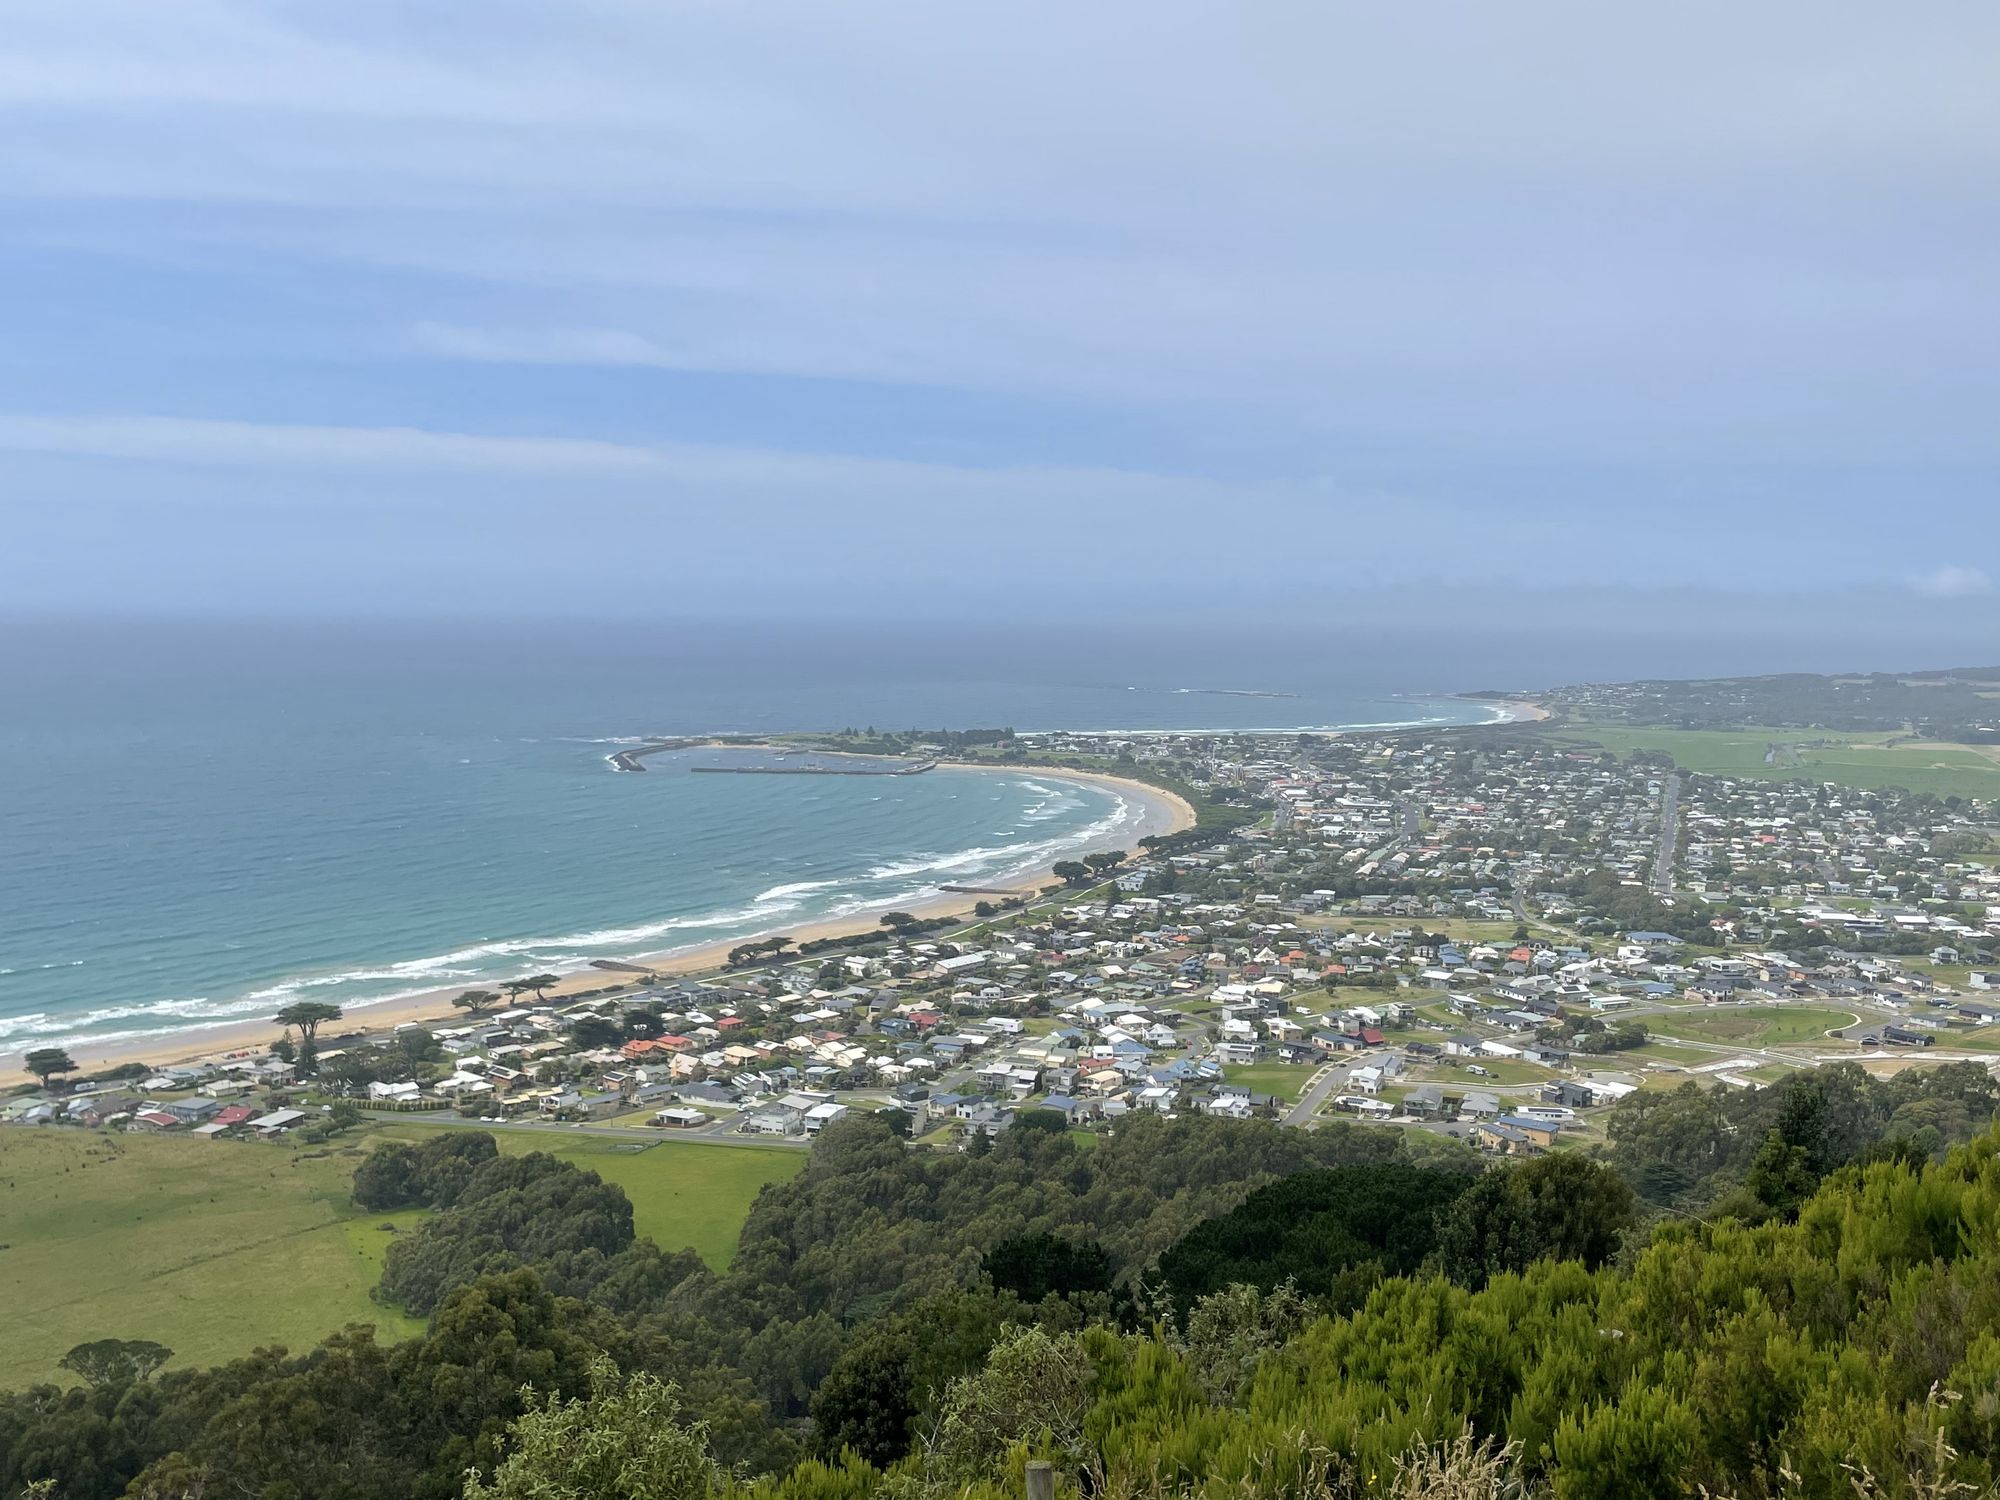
[(1794, 1291)]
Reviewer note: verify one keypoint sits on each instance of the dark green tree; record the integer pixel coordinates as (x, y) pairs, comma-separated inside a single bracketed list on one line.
[(47, 1062), (115, 1361), (1032, 1266), (864, 1403), (1557, 1207)]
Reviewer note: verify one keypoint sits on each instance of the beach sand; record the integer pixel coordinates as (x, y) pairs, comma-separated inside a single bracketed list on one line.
[(1161, 813)]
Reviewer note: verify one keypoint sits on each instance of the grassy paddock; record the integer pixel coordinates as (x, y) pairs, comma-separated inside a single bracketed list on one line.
[(216, 1247), (1857, 760), (685, 1194), (209, 1247), (1757, 1025)]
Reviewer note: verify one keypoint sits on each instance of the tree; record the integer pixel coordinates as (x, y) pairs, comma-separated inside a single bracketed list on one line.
[(1781, 1175), (46, 1062), (430, 1175), (308, 1016), (1559, 1207), (1071, 872), (621, 1442), (1333, 1232), (1230, 1332), (1036, 1387), (589, 1032), (864, 1403), (535, 983), (1032, 1266), (899, 920), (115, 1361), (1109, 860), (476, 1001), (356, 1068)]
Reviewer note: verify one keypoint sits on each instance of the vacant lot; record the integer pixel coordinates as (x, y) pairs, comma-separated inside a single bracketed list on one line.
[(1284, 1080), (215, 1247), (1756, 1025)]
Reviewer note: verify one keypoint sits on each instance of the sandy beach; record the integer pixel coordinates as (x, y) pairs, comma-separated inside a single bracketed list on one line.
[(1161, 813)]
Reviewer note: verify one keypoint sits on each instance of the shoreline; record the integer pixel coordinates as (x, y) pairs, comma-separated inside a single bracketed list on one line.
[(1161, 812)]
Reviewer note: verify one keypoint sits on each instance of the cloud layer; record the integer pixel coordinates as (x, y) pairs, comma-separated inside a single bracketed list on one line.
[(1563, 295)]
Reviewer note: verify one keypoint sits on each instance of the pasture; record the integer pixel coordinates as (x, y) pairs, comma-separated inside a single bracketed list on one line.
[(1866, 761), (216, 1247), (685, 1194), (209, 1247), (1281, 1080), (1755, 1025)]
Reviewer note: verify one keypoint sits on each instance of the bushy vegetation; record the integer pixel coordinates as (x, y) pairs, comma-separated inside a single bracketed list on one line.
[(1348, 1312)]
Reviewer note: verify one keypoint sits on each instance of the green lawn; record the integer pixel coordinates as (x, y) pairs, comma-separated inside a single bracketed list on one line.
[(1505, 1070), (215, 1247), (1284, 1080), (1756, 1025), (1858, 760), (685, 1194), (208, 1247)]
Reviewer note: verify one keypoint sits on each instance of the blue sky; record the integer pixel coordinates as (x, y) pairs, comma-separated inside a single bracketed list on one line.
[(1259, 311)]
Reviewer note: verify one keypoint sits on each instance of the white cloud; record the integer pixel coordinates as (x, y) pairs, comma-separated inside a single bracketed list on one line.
[(544, 346), (1953, 581), (198, 441)]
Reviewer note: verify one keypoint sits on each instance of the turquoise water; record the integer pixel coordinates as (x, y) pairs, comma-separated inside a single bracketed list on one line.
[(200, 823)]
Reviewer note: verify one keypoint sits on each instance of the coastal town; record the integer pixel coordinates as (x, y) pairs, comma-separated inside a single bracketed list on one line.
[(1476, 933)]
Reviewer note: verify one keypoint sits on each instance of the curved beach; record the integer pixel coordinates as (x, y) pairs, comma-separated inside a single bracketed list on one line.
[(1155, 812)]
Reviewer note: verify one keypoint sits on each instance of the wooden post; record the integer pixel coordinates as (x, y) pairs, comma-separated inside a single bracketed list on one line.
[(1041, 1480)]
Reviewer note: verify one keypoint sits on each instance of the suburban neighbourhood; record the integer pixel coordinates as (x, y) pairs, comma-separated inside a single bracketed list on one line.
[(1488, 935)]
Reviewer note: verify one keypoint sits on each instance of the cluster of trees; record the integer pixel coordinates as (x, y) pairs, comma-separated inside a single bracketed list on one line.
[(1090, 867), (1630, 908), (752, 952), (1694, 1149), (507, 1212), (1588, 1034), (429, 1175)]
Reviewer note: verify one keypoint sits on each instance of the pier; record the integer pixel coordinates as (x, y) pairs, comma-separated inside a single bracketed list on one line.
[(916, 770)]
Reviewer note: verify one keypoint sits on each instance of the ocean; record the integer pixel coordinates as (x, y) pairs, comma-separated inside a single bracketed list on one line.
[(200, 822)]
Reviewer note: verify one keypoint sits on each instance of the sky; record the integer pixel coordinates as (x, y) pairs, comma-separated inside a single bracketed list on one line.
[(754, 308)]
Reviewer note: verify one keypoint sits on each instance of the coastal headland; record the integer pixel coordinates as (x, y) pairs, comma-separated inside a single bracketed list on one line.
[(1160, 813)]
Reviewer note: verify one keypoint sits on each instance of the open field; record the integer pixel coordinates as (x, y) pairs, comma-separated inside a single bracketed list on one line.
[(1284, 1080), (1857, 760), (215, 1247), (1756, 1025), (1458, 1075), (685, 1195), (208, 1247), (1458, 929)]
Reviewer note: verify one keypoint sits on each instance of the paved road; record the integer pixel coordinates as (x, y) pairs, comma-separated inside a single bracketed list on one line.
[(1670, 831), (1324, 1082)]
